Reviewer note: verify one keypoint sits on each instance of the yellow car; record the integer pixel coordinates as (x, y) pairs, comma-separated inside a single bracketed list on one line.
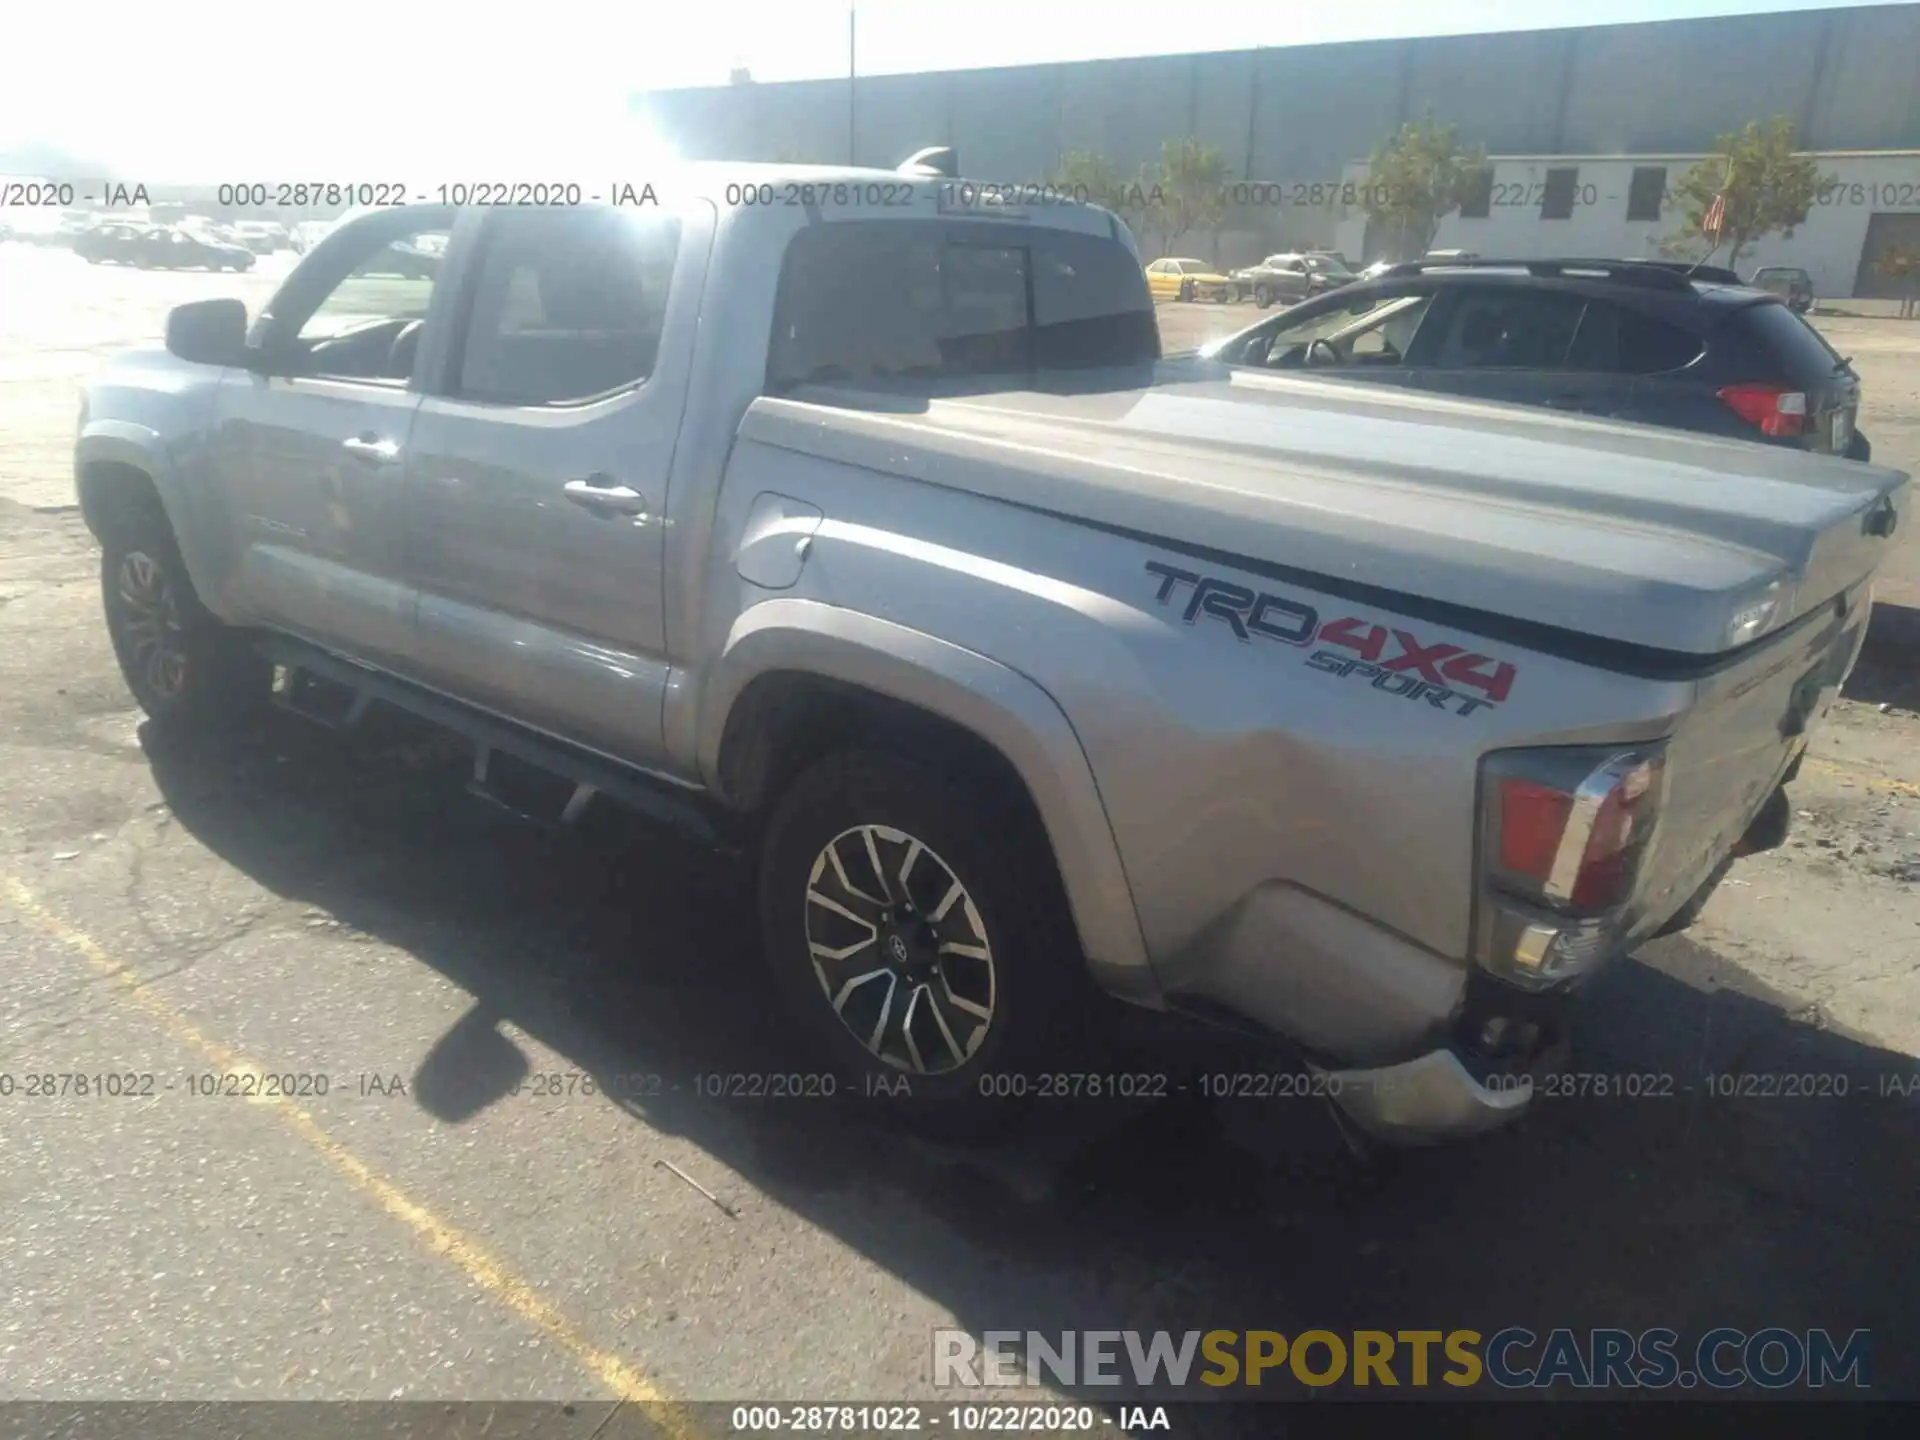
[(1187, 280)]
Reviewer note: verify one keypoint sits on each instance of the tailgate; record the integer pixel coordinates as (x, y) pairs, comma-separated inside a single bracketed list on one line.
[(1746, 730)]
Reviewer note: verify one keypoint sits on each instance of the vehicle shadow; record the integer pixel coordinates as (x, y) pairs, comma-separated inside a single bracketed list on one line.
[(1656, 1196), (1888, 671)]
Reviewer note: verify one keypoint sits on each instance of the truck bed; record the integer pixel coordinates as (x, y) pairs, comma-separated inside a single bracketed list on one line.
[(1509, 520)]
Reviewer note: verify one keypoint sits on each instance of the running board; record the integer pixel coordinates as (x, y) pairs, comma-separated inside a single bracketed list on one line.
[(337, 693)]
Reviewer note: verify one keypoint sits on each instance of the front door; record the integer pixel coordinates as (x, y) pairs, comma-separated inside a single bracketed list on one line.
[(539, 471), (311, 446)]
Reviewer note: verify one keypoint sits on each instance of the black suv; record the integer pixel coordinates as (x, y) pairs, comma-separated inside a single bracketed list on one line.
[(1655, 342)]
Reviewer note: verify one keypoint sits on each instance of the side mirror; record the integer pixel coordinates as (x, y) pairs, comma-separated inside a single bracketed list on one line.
[(208, 332)]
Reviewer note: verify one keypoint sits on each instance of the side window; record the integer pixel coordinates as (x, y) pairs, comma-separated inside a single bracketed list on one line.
[(391, 286), (1649, 347), (1376, 331), (570, 304), (1510, 329)]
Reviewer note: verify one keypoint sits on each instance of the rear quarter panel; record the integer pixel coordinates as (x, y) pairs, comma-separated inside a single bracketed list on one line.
[(1227, 760)]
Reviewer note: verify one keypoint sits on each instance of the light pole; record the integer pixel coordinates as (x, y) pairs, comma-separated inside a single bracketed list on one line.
[(852, 151)]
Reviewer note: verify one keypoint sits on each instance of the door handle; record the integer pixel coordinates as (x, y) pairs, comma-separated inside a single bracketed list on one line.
[(603, 492), (370, 449)]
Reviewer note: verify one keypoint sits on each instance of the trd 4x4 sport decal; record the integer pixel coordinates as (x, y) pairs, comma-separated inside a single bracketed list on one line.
[(1392, 659)]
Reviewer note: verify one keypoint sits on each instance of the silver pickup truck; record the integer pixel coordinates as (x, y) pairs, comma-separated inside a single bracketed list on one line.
[(858, 520)]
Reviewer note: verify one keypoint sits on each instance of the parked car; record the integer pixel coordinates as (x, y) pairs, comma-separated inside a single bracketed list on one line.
[(1016, 656), (414, 260), (120, 242), (1290, 278), (262, 237), (1789, 282), (163, 247), (1618, 338), (1174, 279)]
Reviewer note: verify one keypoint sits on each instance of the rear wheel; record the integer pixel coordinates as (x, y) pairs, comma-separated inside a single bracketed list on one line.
[(917, 935), (186, 669), (1262, 296)]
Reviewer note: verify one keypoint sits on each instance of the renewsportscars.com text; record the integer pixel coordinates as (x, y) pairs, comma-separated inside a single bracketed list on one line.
[(1514, 1358)]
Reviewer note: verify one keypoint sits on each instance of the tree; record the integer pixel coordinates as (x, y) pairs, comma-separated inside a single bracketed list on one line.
[(1192, 179), (1083, 175), (1766, 185), (1415, 180), (1897, 262), (739, 75)]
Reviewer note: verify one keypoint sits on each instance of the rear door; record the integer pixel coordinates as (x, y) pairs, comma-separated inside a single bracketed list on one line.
[(1522, 345), (539, 471)]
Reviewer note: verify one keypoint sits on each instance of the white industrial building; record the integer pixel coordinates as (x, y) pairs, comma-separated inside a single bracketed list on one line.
[(1545, 206)]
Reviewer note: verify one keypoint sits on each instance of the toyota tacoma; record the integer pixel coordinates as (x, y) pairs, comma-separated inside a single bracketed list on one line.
[(864, 528)]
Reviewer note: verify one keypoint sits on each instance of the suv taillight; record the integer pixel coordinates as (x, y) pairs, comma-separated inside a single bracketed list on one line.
[(1562, 836), (1775, 409)]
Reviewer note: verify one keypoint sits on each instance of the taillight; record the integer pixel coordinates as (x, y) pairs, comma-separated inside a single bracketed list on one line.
[(1563, 832), (1775, 409)]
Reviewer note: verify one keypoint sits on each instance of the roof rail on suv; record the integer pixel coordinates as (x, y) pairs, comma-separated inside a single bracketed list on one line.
[(1705, 274), (1626, 272)]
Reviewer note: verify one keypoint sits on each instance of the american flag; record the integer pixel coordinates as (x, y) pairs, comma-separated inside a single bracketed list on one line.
[(1715, 219)]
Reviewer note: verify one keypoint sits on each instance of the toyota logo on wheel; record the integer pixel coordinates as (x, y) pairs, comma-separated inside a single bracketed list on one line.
[(897, 949)]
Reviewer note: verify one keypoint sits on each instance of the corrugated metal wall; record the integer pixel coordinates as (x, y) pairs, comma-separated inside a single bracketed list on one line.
[(1850, 77)]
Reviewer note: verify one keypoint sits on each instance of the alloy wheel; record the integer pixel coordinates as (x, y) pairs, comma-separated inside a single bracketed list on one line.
[(150, 625), (900, 950)]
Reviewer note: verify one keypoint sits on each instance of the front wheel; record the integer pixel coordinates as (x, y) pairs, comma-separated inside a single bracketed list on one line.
[(1262, 296), (186, 669), (917, 935), (1186, 290)]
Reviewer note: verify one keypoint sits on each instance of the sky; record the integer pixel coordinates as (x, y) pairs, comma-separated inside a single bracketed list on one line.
[(355, 90)]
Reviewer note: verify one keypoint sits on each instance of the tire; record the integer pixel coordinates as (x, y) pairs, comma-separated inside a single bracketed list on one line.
[(1262, 296), (1020, 966), (186, 669), (1186, 290)]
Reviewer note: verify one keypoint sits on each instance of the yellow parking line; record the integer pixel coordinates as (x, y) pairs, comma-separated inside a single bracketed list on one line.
[(1860, 772), (484, 1269)]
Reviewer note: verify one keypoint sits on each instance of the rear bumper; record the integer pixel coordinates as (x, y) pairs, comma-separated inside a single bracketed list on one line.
[(1478, 1077), (1422, 1101)]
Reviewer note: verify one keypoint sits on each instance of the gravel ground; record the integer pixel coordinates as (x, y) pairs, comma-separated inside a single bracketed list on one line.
[(312, 906)]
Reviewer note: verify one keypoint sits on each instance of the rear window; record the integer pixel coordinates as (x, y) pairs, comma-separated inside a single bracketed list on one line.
[(1797, 350), (909, 299)]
